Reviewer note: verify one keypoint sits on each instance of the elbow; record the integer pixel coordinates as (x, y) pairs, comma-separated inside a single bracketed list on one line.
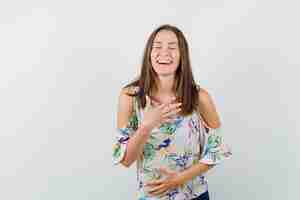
[(126, 160), (126, 163), (214, 125)]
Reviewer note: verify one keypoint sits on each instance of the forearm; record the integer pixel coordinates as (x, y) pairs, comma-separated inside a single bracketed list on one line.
[(135, 145), (192, 172)]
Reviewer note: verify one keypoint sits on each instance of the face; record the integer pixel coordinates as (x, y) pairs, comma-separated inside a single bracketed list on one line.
[(165, 55)]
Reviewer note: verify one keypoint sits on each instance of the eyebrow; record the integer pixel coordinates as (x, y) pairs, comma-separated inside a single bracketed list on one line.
[(168, 42)]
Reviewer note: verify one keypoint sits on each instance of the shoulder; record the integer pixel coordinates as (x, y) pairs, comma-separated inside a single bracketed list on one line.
[(126, 104), (126, 95), (130, 90), (208, 109)]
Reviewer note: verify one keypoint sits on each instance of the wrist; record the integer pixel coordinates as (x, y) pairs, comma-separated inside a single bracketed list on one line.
[(145, 129), (179, 180), (147, 125)]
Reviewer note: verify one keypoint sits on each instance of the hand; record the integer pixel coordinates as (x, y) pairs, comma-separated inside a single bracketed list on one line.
[(155, 116), (160, 187)]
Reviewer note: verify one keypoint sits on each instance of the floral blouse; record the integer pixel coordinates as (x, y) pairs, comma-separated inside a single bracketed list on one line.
[(176, 146)]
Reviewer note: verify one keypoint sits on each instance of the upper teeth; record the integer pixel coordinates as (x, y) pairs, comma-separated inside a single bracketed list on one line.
[(163, 61)]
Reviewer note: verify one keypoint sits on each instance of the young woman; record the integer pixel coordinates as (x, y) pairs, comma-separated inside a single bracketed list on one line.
[(168, 123)]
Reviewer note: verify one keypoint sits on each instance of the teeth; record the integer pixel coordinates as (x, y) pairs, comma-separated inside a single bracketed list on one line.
[(164, 62)]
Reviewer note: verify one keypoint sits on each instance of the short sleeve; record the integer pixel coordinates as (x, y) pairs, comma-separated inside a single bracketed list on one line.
[(122, 136), (215, 150)]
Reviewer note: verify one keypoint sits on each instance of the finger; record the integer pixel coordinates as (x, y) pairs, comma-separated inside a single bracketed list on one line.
[(162, 106), (155, 103), (175, 105), (171, 113), (168, 120), (153, 183), (159, 191), (171, 100), (170, 107), (161, 196)]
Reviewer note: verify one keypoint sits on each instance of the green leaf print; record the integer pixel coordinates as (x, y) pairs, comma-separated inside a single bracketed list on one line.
[(117, 151), (213, 141), (133, 123), (149, 152), (168, 128), (153, 140)]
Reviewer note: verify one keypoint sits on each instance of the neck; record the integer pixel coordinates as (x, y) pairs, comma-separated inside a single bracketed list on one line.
[(165, 85)]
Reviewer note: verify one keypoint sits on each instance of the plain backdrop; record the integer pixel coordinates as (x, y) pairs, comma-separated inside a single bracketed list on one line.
[(62, 64)]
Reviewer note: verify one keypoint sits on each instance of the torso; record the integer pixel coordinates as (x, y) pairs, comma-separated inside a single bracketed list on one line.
[(175, 146)]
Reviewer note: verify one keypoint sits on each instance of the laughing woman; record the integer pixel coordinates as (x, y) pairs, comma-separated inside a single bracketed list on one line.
[(168, 124)]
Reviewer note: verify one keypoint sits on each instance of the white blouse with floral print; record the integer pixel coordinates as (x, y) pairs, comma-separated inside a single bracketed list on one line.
[(176, 146)]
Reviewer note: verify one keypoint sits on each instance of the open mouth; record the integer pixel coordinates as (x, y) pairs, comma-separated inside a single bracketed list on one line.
[(164, 62)]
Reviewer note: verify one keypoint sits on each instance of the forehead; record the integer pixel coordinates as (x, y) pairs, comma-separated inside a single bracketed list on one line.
[(165, 36)]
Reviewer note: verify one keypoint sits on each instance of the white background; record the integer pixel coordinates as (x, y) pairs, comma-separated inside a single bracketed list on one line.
[(62, 64)]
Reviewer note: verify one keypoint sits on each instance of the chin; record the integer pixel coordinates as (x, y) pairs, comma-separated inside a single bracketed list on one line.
[(165, 72), (158, 70)]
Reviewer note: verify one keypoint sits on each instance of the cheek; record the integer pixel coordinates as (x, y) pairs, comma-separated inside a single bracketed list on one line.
[(153, 56), (176, 57)]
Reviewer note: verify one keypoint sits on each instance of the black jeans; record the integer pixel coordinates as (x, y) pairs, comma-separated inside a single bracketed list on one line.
[(204, 196)]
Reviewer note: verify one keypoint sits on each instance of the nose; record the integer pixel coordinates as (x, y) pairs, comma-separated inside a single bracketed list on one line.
[(164, 52)]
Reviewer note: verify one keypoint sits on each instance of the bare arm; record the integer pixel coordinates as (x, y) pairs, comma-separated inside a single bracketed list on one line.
[(208, 109), (191, 172), (211, 117), (139, 138), (153, 116), (212, 156)]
